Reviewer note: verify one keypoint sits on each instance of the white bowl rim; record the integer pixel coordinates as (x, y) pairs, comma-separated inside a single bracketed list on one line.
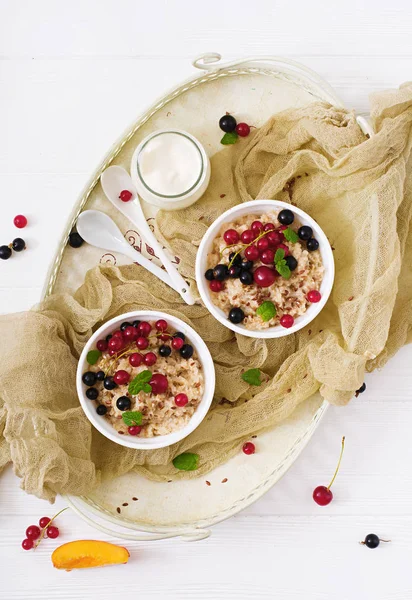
[(103, 425), (259, 206)]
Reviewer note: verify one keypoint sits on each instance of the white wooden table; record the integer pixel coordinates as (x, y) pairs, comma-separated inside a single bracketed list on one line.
[(73, 75)]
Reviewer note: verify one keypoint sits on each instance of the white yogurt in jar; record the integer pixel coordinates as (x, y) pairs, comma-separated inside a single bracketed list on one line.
[(170, 169)]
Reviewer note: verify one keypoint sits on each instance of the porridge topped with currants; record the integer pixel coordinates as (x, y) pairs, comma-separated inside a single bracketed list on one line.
[(265, 272), (145, 378)]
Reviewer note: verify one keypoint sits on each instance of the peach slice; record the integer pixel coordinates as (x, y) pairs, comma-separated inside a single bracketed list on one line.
[(84, 554)]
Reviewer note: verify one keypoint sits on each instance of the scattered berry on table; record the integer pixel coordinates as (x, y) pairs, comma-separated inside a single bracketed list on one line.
[(144, 328), (20, 221), (235, 259), (305, 232), (89, 378), (235, 271), (5, 252), (209, 275), (18, 244), (264, 276), (92, 393), (186, 351), (75, 240), (227, 123), (125, 325), (251, 252), (231, 236), (291, 262), (249, 448), (177, 343), (286, 321), (166, 350), (181, 400), (159, 383), (322, 495), (242, 129), (33, 532), (142, 343), (286, 217), (236, 315), (150, 358), (44, 521), (101, 345), (313, 296), (121, 377), (220, 272), (361, 389), (52, 532), (161, 325), (135, 359), (100, 375), (216, 286), (372, 540), (125, 195), (247, 236), (134, 429), (27, 544), (101, 409), (312, 245), (109, 383), (123, 403), (246, 277)]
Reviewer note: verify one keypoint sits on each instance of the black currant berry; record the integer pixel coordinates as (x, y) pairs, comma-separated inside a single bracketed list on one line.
[(109, 384), (5, 252), (221, 272), (18, 244), (227, 123), (209, 275), (305, 232), (124, 325), (186, 351), (165, 350), (101, 409), (312, 244), (236, 315), (123, 403), (75, 240), (100, 375), (291, 262), (89, 378), (286, 217), (246, 277), (92, 393)]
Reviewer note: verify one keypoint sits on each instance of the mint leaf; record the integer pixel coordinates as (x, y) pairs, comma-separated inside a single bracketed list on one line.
[(266, 311), (132, 417), (283, 269), (140, 382), (93, 356), (280, 255), (229, 138), (252, 377), (186, 461), (291, 235)]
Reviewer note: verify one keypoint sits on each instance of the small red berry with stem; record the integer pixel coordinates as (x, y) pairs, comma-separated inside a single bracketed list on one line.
[(242, 129), (44, 521), (177, 343), (249, 448), (27, 544), (53, 532), (125, 195), (20, 221), (322, 495), (33, 532)]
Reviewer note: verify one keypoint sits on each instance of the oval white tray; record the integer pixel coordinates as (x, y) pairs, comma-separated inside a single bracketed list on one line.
[(254, 89)]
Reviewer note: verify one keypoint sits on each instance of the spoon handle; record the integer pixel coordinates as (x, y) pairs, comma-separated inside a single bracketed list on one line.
[(149, 266)]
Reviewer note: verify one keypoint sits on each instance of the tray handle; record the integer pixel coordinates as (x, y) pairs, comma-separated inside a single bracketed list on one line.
[(188, 535)]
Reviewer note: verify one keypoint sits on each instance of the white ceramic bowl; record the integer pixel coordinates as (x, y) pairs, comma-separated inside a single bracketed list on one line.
[(161, 441), (259, 207)]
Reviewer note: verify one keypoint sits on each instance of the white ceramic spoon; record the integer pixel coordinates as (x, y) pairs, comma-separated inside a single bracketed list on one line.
[(98, 229), (115, 179)]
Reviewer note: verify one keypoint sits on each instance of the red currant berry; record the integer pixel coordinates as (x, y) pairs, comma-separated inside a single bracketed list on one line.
[(264, 276), (287, 321), (247, 236), (249, 448), (20, 221), (121, 377), (161, 325), (144, 328), (118, 334), (27, 544), (251, 252), (134, 429), (181, 400), (242, 129), (283, 227), (159, 383), (177, 343), (135, 359), (130, 333), (33, 532), (142, 343), (149, 359), (115, 344), (274, 238), (101, 345), (216, 286), (112, 352), (165, 337), (262, 244), (52, 532), (269, 227), (284, 248), (267, 257), (231, 236), (125, 195), (256, 227), (44, 521), (322, 495), (313, 296)]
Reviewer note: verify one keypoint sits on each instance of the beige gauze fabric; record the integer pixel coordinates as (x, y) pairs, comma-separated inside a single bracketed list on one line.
[(358, 189)]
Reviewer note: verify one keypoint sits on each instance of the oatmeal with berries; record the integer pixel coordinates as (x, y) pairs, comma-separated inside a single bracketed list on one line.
[(145, 378), (265, 272)]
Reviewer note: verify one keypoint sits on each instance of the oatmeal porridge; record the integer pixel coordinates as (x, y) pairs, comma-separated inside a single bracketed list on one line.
[(265, 272), (145, 379)]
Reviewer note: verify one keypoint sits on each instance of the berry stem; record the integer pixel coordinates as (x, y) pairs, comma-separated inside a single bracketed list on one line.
[(43, 531), (339, 461), (244, 246)]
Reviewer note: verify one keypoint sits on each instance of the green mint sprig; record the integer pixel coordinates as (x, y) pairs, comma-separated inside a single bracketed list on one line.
[(252, 377), (266, 311), (291, 235), (186, 461), (93, 356), (281, 265), (229, 138), (140, 383), (132, 417)]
